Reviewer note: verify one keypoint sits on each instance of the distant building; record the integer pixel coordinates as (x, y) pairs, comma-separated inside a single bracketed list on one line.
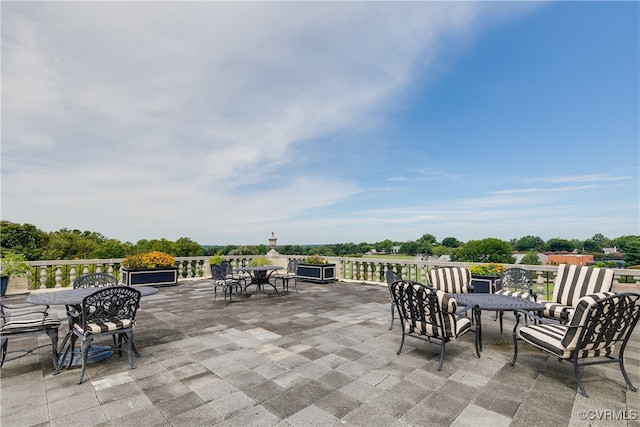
[(565, 258), (612, 250)]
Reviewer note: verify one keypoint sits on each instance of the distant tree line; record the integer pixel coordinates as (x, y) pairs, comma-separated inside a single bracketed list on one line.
[(36, 244)]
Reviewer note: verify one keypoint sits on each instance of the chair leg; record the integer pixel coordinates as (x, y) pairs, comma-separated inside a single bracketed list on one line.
[(574, 359), (84, 350), (53, 335), (4, 343), (401, 344), (441, 355), (393, 306), (129, 337), (624, 374), (295, 284)]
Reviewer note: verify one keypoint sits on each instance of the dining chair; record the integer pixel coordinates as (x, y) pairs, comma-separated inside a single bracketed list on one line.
[(221, 280), (515, 282), (22, 320), (429, 314), (290, 274), (110, 311)]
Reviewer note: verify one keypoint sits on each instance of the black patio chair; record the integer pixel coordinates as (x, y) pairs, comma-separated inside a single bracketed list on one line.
[(22, 320), (228, 284), (600, 323), (515, 282), (95, 280), (391, 277), (428, 314), (110, 311), (290, 274)]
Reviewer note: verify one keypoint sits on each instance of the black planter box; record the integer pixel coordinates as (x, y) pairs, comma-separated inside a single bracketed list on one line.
[(322, 273), (483, 284), (162, 276)]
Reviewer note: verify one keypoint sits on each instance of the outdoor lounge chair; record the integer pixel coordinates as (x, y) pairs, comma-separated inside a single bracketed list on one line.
[(428, 314), (572, 283), (600, 322), (452, 280)]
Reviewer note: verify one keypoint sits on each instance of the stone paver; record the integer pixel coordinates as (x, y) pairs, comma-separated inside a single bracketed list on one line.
[(323, 357)]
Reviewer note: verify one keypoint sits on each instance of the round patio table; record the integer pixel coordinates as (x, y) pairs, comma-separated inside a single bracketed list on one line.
[(260, 276), (74, 298), (493, 302)]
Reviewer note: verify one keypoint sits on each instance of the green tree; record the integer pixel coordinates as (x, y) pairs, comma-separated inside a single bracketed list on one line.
[(486, 250), (529, 243), (25, 239), (591, 245), (409, 248), (558, 245), (184, 246), (72, 244), (623, 242), (632, 254), (384, 246), (451, 242), (530, 258), (109, 249)]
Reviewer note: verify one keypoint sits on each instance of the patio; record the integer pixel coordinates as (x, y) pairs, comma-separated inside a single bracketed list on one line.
[(322, 357)]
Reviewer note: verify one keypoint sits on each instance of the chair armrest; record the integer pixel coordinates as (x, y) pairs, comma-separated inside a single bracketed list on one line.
[(532, 316)]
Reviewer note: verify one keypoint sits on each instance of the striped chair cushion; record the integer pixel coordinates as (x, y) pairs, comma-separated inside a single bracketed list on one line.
[(574, 282), (549, 338), (518, 294), (22, 326), (97, 328), (454, 326), (451, 279), (578, 320), (460, 325)]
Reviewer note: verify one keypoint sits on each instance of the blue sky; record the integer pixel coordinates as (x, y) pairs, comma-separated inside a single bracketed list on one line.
[(322, 122)]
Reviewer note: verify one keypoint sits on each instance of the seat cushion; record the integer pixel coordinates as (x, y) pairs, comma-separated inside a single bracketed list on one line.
[(22, 326), (517, 294), (461, 326), (554, 310), (97, 328)]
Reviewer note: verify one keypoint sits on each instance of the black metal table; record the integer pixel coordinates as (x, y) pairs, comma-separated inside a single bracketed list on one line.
[(493, 302), (260, 276), (74, 298)]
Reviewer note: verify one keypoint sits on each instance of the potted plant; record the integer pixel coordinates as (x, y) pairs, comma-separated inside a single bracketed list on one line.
[(152, 268), (315, 268), (12, 265), (260, 262), (484, 276)]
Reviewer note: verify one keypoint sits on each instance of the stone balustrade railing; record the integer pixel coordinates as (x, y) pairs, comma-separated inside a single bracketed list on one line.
[(62, 273)]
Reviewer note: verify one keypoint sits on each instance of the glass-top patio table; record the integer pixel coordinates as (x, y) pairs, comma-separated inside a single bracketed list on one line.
[(493, 302)]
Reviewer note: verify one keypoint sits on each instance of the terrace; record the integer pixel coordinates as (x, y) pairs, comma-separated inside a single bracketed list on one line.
[(321, 357)]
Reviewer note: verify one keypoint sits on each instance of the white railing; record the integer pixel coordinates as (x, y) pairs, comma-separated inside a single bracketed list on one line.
[(62, 273)]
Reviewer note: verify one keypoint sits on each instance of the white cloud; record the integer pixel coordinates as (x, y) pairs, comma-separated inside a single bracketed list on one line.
[(148, 119)]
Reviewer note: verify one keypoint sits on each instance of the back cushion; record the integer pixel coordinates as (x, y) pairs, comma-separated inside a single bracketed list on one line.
[(570, 339), (451, 279), (574, 282)]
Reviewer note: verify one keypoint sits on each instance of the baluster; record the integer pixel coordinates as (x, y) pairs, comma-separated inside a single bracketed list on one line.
[(180, 269), (98, 268), (189, 269), (85, 270), (361, 271), (72, 274), (58, 276), (43, 277), (110, 269)]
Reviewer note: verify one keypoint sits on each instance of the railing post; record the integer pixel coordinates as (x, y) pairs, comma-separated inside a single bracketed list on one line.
[(43, 277)]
